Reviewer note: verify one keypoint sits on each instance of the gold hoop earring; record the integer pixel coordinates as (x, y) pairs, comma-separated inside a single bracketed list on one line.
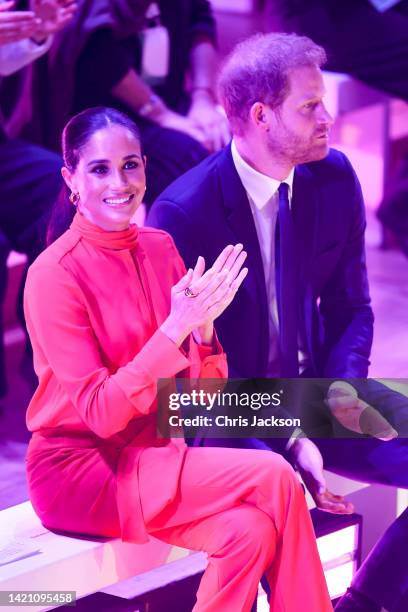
[(74, 198)]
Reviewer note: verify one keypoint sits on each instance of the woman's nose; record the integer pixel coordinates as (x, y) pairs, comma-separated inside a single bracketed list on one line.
[(119, 179)]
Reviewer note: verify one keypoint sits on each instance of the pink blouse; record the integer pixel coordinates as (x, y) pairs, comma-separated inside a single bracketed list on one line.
[(93, 303)]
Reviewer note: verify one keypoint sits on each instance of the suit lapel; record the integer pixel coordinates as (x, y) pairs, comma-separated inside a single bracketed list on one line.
[(240, 220)]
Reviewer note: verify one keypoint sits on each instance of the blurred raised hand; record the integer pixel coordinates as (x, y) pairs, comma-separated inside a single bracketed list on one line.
[(52, 16), (16, 25)]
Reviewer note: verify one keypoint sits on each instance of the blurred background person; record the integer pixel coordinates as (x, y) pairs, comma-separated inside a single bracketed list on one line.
[(103, 58), (360, 39), (29, 175), (367, 39)]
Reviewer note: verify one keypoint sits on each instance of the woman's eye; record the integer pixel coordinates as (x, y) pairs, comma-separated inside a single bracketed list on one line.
[(310, 105), (130, 165), (100, 170)]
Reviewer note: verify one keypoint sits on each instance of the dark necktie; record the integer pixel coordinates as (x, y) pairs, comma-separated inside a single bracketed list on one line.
[(286, 286)]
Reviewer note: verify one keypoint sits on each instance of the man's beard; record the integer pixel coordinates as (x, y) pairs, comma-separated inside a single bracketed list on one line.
[(291, 149)]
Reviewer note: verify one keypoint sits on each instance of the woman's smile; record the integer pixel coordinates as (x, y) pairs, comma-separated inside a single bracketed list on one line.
[(119, 202)]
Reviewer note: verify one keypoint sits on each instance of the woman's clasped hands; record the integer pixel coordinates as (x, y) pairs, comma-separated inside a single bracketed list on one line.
[(201, 296)]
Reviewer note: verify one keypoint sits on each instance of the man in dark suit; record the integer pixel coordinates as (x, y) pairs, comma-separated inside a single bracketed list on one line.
[(272, 91), (232, 196)]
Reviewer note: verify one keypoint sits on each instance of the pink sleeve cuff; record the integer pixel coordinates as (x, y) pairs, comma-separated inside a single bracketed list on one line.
[(159, 358), (213, 360), (208, 350)]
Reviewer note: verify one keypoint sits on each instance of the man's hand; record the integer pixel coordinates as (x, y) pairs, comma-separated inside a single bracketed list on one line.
[(16, 25), (309, 462), (53, 16), (356, 415)]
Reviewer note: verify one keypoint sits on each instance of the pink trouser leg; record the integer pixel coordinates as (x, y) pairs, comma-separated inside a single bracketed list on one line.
[(240, 543), (247, 510)]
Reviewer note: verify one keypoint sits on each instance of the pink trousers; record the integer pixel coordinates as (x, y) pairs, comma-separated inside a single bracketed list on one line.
[(247, 510)]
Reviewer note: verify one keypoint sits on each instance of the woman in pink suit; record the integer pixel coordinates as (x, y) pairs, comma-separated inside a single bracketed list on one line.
[(110, 309)]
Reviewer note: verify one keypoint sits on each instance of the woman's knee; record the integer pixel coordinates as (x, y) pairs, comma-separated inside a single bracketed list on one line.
[(249, 532), (273, 465), (279, 478)]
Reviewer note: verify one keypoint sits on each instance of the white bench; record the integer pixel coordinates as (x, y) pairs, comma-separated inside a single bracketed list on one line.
[(55, 562), (45, 561), (50, 562)]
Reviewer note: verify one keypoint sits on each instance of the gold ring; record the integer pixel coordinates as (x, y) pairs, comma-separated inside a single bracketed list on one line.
[(189, 293)]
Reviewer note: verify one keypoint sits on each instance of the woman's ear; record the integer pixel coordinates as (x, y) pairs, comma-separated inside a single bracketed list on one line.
[(144, 161), (67, 176)]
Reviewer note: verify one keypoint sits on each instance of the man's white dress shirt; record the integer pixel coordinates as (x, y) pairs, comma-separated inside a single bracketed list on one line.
[(263, 197)]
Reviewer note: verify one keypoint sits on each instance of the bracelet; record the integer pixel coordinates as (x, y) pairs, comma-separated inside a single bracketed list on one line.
[(151, 107)]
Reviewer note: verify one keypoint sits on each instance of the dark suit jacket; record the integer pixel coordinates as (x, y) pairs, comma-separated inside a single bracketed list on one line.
[(208, 208)]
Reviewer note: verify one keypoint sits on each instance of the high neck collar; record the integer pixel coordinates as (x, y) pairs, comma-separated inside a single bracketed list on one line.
[(117, 240)]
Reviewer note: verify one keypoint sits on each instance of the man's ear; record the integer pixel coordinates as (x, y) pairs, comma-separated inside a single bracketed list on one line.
[(258, 115), (68, 178)]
